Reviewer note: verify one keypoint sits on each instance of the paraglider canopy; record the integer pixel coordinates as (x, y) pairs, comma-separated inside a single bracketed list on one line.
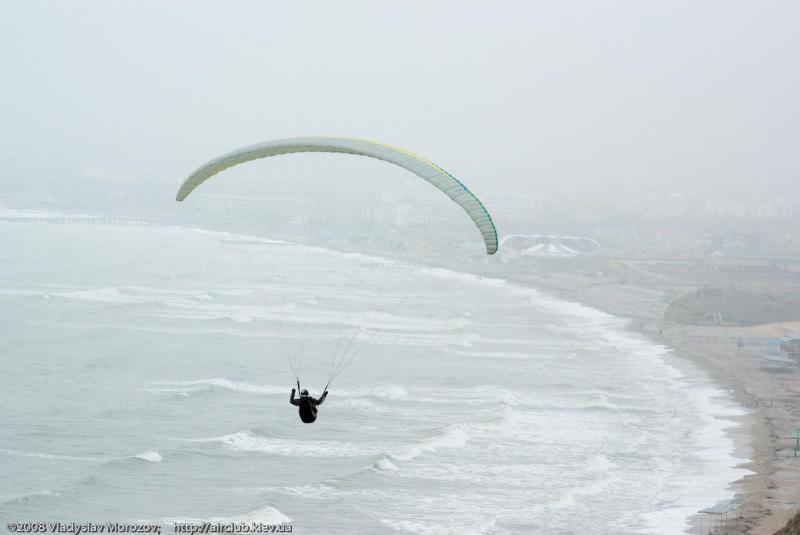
[(438, 177)]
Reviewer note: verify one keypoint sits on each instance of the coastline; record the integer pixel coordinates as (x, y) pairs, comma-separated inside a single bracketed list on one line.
[(753, 433), (643, 308), (770, 397), (758, 435), (750, 431), (733, 428)]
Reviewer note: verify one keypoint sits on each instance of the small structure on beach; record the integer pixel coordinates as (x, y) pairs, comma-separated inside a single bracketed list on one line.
[(721, 515), (790, 344), (777, 362), (780, 354)]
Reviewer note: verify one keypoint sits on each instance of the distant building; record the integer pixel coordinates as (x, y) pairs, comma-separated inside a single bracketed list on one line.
[(539, 245), (751, 209)]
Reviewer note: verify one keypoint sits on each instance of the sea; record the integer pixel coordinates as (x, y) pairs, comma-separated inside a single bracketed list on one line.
[(146, 374)]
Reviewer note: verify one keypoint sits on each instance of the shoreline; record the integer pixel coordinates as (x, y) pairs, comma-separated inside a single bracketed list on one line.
[(753, 434), (760, 439), (738, 428), (644, 317), (642, 306), (735, 427)]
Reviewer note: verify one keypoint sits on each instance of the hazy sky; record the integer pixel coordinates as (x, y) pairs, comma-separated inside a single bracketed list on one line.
[(506, 95)]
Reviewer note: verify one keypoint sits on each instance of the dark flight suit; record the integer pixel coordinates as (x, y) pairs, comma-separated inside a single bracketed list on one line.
[(308, 406)]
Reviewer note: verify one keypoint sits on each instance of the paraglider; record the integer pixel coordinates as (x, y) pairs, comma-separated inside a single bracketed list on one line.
[(423, 168)]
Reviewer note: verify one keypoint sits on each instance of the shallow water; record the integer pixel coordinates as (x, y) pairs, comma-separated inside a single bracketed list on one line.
[(146, 378)]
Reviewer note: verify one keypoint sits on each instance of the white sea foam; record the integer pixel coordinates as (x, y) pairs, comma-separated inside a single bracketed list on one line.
[(307, 314), (385, 465), (40, 455), (43, 215), (248, 441), (21, 292), (130, 295), (263, 515), (149, 456), (317, 491), (379, 390), (479, 395), (494, 354), (27, 497), (104, 295), (454, 436), (465, 525), (227, 384), (241, 317), (600, 463)]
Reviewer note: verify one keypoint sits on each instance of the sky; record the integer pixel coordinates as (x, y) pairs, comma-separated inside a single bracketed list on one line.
[(515, 98)]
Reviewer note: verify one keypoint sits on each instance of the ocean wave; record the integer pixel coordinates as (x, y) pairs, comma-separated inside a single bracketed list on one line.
[(454, 436), (131, 294), (264, 515), (317, 491), (218, 382), (381, 397), (511, 355), (149, 456), (239, 239), (184, 391), (21, 292), (371, 398), (19, 453), (25, 498), (596, 402), (478, 395), (600, 463), (305, 313), (104, 295), (417, 339), (384, 464), (124, 295), (418, 526), (240, 317), (379, 390), (248, 441)]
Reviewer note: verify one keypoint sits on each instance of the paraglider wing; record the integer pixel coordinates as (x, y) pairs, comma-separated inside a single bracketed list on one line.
[(423, 168)]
